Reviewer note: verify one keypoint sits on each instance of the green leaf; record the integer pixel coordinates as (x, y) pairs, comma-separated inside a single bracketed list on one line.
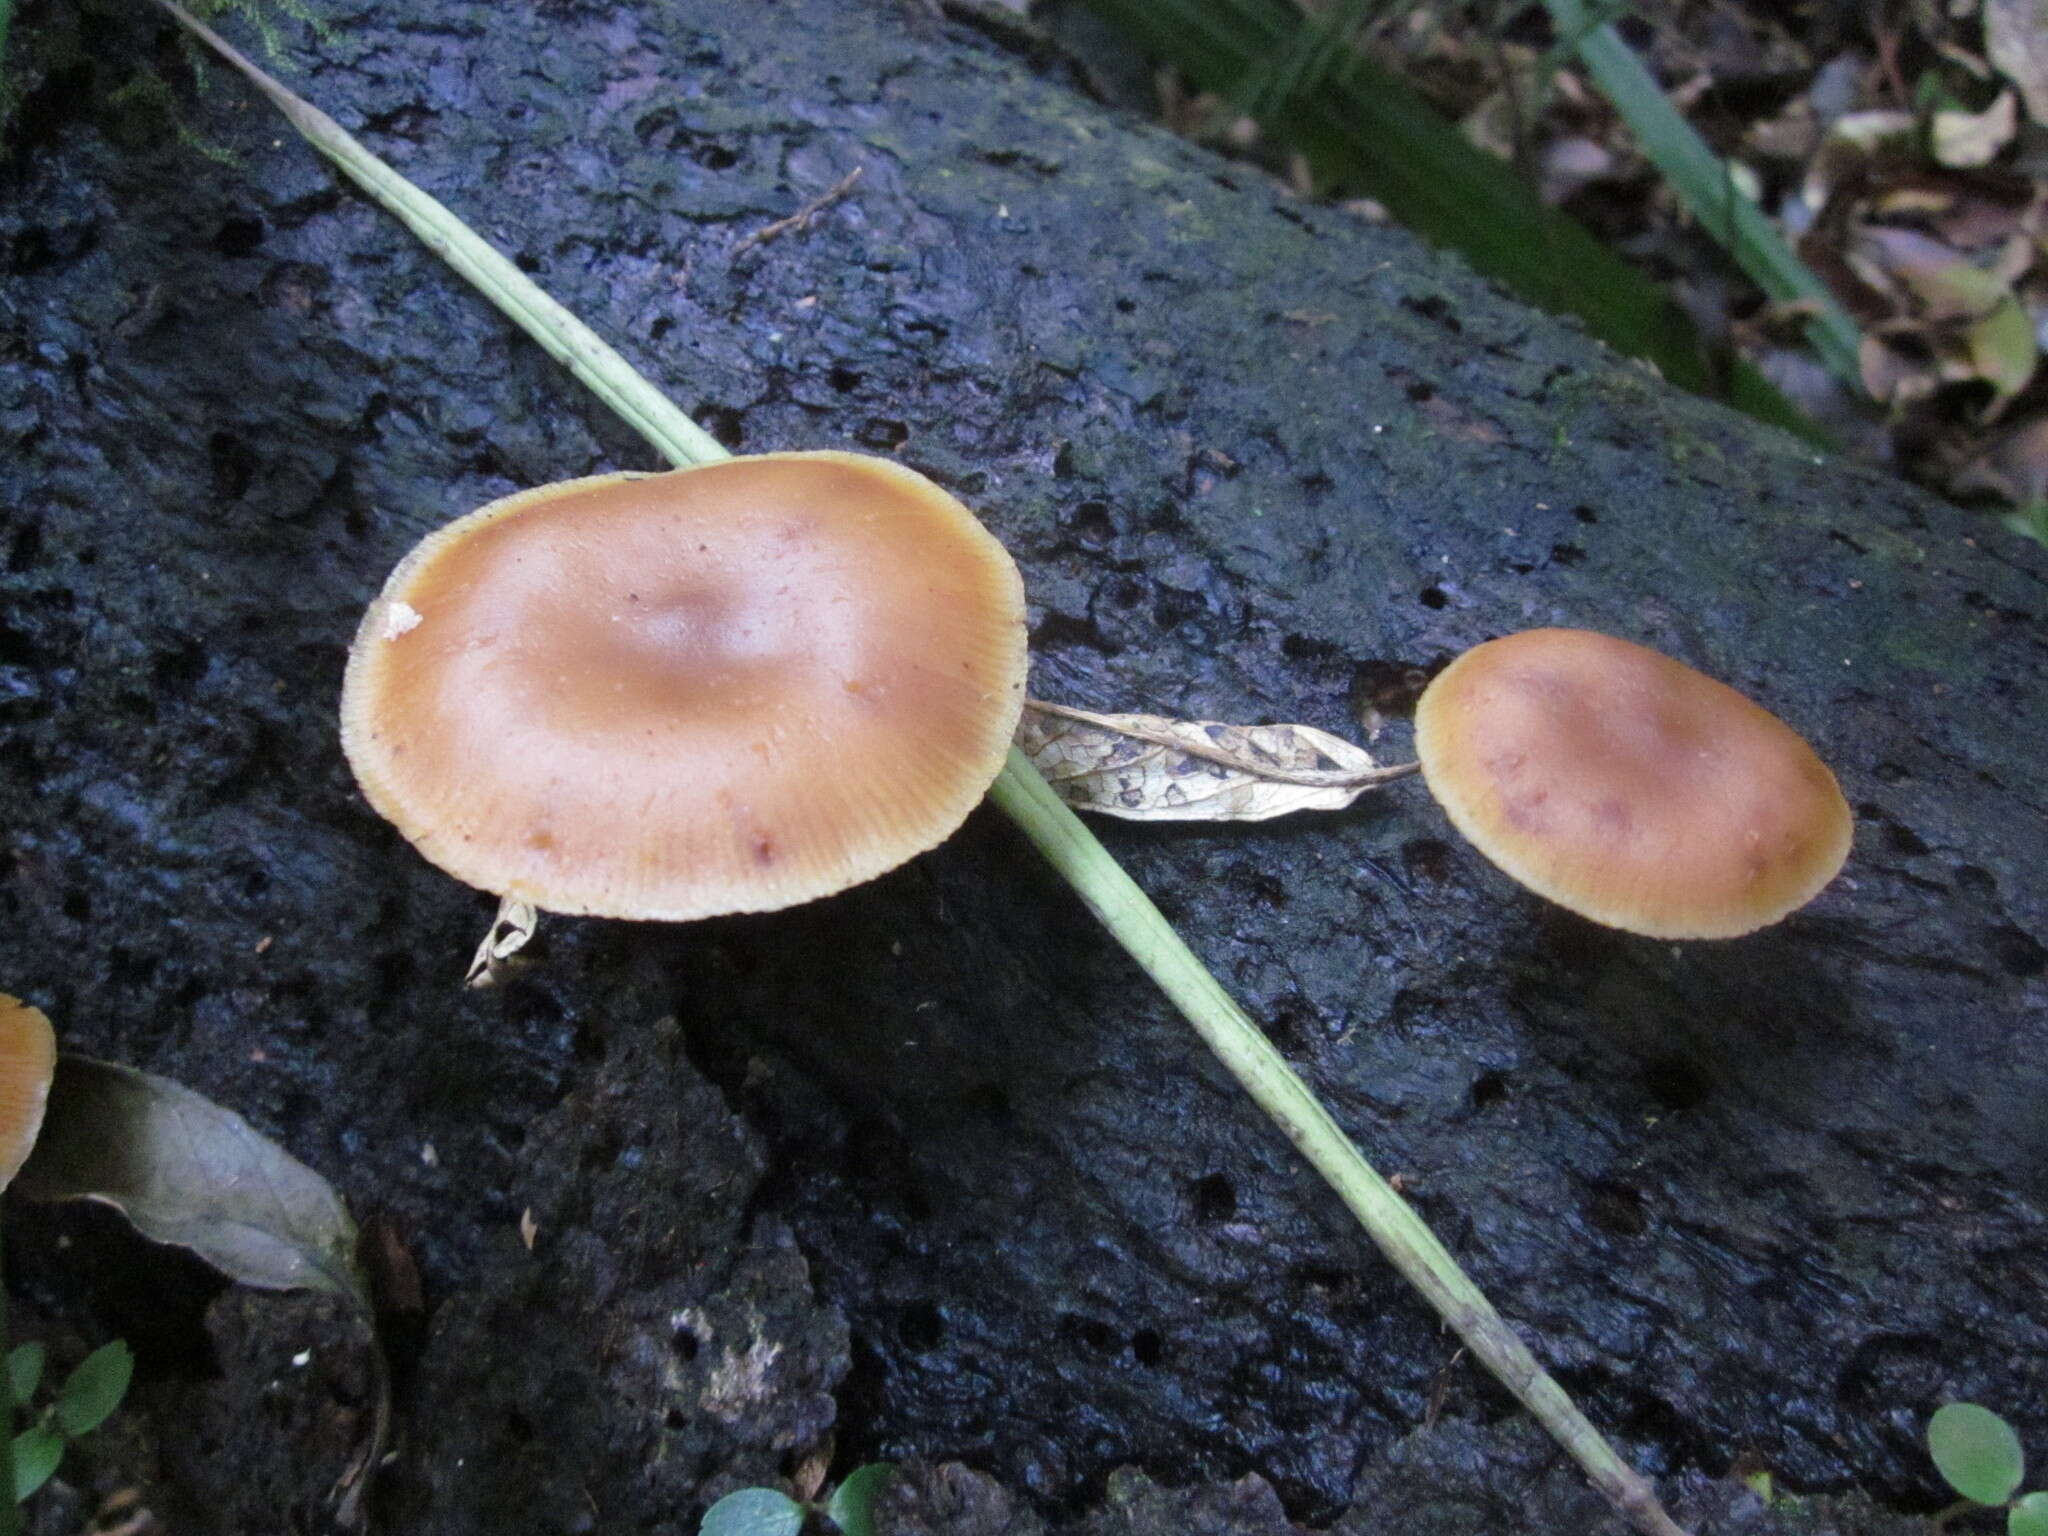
[(94, 1389), (2003, 349), (1704, 183), (36, 1454), (852, 1507), (24, 1373), (1366, 131), (2030, 521), (188, 1172), (2029, 1517), (753, 1512), (1976, 1451)]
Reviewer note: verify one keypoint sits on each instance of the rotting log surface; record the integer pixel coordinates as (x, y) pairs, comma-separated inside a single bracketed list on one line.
[(928, 1166)]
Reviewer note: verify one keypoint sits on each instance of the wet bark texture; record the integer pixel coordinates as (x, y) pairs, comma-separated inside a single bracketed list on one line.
[(927, 1171)]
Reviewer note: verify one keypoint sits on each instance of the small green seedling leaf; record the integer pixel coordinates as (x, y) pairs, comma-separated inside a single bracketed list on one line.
[(188, 1172), (852, 1507), (24, 1372), (95, 1389), (753, 1512), (36, 1454), (1977, 1451), (2029, 1517)]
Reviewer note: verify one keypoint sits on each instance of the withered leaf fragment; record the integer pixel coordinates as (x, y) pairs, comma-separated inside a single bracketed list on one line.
[(189, 1172), (1150, 768), (509, 933), (2016, 37)]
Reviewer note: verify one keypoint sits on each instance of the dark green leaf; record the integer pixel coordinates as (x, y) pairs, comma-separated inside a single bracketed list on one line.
[(2029, 1517), (1704, 183), (1977, 1451), (36, 1454), (2031, 521), (94, 1389), (1364, 130), (24, 1372), (188, 1172), (753, 1512), (852, 1508)]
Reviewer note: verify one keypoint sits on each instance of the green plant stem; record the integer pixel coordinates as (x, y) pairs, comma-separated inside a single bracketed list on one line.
[(1022, 793), (1703, 182), (1139, 926), (1947, 1517), (568, 340), (10, 1510), (1365, 129)]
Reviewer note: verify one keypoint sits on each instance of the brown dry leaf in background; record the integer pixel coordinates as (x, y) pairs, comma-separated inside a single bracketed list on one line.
[(1967, 140), (2013, 466), (2016, 38), (1956, 317), (1150, 768)]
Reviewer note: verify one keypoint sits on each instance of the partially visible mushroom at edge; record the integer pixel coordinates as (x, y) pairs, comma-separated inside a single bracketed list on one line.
[(28, 1063)]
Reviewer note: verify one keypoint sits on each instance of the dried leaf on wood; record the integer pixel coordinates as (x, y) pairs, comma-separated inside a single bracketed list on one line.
[(188, 1172), (1150, 768)]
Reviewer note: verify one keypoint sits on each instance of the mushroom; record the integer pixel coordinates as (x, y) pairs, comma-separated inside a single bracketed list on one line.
[(728, 688), (28, 1061), (1628, 787)]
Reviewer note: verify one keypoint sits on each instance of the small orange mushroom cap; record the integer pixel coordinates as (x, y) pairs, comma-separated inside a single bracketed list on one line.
[(28, 1061), (729, 688), (1628, 787)]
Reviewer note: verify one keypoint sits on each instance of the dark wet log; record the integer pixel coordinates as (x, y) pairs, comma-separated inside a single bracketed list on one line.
[(928, 1167)]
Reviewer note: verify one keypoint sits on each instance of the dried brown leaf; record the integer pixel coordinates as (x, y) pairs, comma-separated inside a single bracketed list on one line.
[(2016, 37), (2014, 466), (1971, 139), (1150, 768), (1895, 370), (388, 1263), (1935, 278)]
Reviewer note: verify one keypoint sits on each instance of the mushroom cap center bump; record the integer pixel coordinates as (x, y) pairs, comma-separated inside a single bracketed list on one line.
[(1629, 787), (728, 688)]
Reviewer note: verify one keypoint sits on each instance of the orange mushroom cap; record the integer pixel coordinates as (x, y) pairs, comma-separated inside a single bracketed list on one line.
[(1628, 787), (28, 1061), (729, 688)]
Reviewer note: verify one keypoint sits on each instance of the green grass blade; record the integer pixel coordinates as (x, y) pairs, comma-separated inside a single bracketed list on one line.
[(1364, 130), (1073, 850), (1702, 181), (568, 340), (1139, 926)]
